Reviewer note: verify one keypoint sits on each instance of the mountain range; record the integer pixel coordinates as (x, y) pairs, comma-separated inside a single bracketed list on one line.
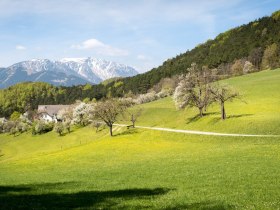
[(66, 72)]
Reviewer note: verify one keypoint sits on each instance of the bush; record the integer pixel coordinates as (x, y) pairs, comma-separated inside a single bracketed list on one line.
[(127, 101), (59, 128), (13, 131), (22, 127), (8, 126), (41, 127), (1, 127), (248, 67), (145, 98), (67, 126), (163, 94), (15, 116)]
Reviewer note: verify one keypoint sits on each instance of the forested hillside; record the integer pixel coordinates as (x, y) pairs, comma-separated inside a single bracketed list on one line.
[(245, 42), (248, 48), (27, 96)]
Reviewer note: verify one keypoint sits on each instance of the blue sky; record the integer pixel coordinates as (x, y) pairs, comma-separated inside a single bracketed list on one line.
[(139, 33)]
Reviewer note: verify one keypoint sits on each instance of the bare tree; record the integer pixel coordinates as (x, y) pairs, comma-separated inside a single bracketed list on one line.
[(97, 125), (108, 111), (134, 114), (255, 57), (66, 114), (193, 90), (222, 94)]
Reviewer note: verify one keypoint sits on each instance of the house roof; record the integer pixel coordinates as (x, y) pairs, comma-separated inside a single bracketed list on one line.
[(51, 109)]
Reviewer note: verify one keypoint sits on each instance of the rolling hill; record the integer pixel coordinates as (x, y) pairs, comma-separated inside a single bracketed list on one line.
[(140, 168)]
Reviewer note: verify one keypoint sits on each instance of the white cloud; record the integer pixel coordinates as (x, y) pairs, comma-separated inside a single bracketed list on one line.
[(143, 57), (100, 48), (89, 44), (20, 47)]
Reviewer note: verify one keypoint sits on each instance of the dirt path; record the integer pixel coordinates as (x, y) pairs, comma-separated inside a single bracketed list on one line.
[(199, 132)]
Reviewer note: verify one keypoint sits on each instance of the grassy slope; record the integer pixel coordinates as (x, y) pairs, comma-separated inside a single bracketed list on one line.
[(142, 168), (259, 115)]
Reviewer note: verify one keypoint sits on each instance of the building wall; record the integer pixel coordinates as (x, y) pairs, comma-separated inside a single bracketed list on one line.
[(47, 118)]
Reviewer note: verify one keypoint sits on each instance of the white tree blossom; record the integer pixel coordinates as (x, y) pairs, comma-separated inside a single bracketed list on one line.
[(82, 113), (248, 67)]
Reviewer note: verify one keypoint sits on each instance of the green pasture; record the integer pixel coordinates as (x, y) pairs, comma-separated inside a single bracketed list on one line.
[(145, 169)]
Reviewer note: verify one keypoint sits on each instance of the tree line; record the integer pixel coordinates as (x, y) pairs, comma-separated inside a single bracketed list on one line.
[(96, 114)]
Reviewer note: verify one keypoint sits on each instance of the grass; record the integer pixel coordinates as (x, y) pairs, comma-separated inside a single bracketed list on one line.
[(139, 169), (259, 115)]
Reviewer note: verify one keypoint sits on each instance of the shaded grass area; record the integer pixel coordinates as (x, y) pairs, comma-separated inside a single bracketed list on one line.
[(21, 197)]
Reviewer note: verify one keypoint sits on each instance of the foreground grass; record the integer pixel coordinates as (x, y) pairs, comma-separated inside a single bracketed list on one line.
[(139, 169)]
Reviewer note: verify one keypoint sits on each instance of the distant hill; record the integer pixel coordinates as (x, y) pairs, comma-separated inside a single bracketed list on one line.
[(66, 72), (248, 41)]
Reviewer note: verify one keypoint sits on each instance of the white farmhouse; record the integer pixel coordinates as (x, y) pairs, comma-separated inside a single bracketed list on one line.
[(49, 112)]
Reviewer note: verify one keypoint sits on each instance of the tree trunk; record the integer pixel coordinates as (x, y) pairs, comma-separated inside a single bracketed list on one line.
[(133, 120), (201, 112), (223, 111), (111, 130)]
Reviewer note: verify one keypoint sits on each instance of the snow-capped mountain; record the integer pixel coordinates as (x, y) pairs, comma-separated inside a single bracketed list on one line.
[(67, 71)]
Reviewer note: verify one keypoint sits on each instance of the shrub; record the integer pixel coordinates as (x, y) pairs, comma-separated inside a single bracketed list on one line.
[(127, 101), (67, 126), (13, 131), (59, 128), (145, 98), (22, 127), (41, 127), (248, 67), (8, 126), (15, 115)]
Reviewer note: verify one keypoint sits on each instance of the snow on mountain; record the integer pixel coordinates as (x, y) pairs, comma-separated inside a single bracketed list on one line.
[(98, 70), (67, 71)]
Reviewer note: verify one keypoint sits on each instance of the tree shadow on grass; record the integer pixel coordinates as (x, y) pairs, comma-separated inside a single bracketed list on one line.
[(238, 115), (197, 117), (26, 197), (218, 119), (127, 132)]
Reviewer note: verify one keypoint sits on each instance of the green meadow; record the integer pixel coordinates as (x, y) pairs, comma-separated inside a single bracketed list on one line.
[(138, 168)]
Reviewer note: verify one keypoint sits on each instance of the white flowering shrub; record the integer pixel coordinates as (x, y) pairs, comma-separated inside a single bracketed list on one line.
[(127, 101), (145, 98), (82, 113), (180, 97), (248, 67), (163, 93)]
